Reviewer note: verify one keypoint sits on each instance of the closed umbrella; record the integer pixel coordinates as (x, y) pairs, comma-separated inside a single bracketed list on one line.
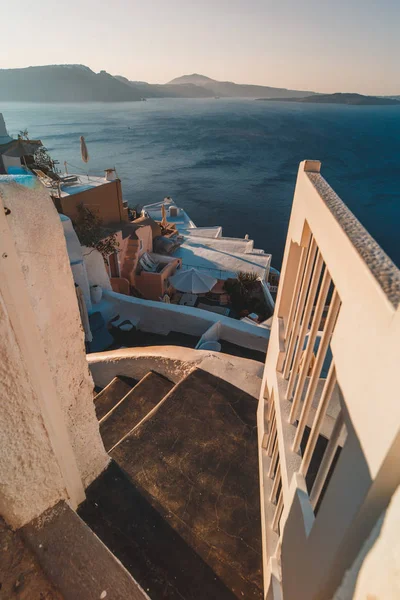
[(192, 281), (84, 150)]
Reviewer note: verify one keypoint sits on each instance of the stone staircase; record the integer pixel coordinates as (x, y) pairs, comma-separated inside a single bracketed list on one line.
[(135, 405), (179, 503)]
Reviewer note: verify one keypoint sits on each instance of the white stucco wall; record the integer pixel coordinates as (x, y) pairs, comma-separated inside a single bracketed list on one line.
[(95, 268), (41, 249), (29, 473), (75, 256), (375, 574), (367, 283), (175, 363), (158, 317)]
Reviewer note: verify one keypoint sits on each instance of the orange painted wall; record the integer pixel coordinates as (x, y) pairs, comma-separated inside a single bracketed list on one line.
[(154, 285), (105, 199)]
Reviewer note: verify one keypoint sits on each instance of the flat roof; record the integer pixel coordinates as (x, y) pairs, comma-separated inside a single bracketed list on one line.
[(205, 249), (83, 183), (220, 261), (228, 244), (181, 221)]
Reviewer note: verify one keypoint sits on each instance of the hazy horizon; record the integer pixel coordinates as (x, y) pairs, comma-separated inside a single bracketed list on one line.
[(339, 47)]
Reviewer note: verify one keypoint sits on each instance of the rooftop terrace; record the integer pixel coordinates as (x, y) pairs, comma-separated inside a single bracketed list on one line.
[(221, 258), (83, 183)]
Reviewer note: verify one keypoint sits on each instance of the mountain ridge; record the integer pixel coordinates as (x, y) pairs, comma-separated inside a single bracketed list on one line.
[(341, 98), (229, 89), (63, 83), (79, 83)]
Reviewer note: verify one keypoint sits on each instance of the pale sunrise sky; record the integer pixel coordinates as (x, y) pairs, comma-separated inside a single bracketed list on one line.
[(318, 45)]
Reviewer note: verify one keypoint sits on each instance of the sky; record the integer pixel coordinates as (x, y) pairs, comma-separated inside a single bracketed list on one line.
[(316, 45)]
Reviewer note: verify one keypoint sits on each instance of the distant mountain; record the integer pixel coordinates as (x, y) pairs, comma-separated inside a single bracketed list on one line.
[(339, 98), (63, 83), (156, 90), (78, 83), (229, 89)]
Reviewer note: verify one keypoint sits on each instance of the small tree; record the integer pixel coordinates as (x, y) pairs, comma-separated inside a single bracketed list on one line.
[(43, 159), (91, 232), (241, 289)]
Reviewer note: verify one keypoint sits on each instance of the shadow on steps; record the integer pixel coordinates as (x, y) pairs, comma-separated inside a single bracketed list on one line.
[(196, 461), (150, 549)]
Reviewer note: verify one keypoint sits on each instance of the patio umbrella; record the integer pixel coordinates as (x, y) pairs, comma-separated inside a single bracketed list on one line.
[(84, 150), (19, 148), (192, 281)]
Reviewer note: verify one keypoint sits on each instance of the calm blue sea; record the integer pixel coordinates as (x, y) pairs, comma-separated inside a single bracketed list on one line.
[(233, 162)]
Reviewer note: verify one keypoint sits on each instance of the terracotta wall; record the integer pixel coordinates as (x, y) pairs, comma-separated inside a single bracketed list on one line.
[(154, 285), (105, 199)]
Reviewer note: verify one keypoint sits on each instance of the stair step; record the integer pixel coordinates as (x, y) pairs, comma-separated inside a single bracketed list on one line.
[(157, 557), (75, 560), (196, 461), (21, 575), (112, 394), (133, 408)]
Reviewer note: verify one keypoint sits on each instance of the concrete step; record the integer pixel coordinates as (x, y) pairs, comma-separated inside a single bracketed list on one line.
[(196, 460), (75, 560), (21, 576), (112, 394), (163, 564), (134, 407)]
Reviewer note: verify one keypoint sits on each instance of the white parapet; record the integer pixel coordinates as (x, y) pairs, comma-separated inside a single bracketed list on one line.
[(158, 317)]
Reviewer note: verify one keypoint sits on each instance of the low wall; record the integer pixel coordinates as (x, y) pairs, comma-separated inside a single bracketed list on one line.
[(158, 317), (175, 363)]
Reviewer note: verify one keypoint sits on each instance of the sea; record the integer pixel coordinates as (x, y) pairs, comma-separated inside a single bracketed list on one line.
[(232, 162)]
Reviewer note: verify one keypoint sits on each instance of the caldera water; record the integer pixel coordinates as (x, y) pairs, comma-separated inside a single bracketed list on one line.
[(232, 162)]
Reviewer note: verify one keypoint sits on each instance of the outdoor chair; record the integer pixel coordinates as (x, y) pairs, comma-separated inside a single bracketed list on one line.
[(45, 179), (148, 264)]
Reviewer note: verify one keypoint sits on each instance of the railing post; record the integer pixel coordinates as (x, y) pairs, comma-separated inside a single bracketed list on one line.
[(316, 370)]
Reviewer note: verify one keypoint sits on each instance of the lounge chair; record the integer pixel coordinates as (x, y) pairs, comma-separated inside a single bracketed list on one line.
[(148, 264), (45, 179), (52, 182)]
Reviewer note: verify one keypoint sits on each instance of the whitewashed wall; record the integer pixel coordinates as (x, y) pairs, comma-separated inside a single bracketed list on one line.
[(157, 317), (49, 431)]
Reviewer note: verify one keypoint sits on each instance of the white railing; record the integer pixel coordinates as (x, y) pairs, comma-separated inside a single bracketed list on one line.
[(329, 411)]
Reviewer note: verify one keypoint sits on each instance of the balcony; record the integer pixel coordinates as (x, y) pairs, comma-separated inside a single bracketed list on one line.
[(327, 417), (153, 285)]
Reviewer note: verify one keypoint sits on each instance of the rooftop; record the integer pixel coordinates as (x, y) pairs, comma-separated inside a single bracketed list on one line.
[(181, 221), (205, 247), (221, 257), (83, 183)]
